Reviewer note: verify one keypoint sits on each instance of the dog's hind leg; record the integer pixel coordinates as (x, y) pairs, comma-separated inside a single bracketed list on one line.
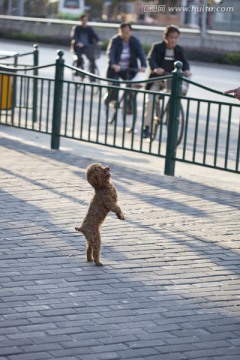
[(96, 244), (96, 255), (93, 247), (89, 252)]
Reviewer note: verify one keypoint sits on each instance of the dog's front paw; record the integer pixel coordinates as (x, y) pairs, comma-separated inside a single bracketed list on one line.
[(77, 228)]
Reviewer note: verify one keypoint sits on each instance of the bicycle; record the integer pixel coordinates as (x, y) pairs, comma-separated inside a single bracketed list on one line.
[(162, 112), (92, 50), (127, 101)]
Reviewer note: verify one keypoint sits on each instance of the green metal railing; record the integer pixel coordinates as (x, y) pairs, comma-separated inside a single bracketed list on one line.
[(14, 59), (12, 64), (62, 107)]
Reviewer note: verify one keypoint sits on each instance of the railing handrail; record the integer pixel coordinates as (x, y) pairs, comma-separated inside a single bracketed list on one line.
[(18, 54), (28, 68), (144, 81), (87, 73), (205, 87)]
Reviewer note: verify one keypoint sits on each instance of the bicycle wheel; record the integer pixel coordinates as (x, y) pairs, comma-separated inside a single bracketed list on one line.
[(164, 119), (180, 121), (94, 79), (76, 76), (157, 117), (180, 125), (129, 108), (116, 107)]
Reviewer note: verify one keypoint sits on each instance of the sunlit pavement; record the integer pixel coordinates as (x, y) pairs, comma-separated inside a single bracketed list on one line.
[(169, 287)]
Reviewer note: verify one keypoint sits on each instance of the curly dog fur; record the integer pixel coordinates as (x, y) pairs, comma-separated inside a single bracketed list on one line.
[(104, 201)]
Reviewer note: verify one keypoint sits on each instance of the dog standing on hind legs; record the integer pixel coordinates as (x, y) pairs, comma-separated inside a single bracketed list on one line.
[(104, 201)]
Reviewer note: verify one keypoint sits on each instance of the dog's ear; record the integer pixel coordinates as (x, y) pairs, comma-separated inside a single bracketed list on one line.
[(96, 181), (94, 176)]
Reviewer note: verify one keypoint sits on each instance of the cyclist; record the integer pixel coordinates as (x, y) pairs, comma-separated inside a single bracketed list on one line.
[(123, 52), (81, 37), (161, 60)]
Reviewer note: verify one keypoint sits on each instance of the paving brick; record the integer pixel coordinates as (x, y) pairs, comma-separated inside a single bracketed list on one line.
[(102, 356), (135, 353), (30, 356), (10, 351)]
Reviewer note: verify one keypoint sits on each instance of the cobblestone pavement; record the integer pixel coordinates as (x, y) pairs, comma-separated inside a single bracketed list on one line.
[(170, 287)]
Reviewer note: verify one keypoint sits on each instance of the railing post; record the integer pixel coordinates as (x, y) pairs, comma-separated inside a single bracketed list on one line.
[(173, 119), (35, 82), (57, 102), (35, 58)]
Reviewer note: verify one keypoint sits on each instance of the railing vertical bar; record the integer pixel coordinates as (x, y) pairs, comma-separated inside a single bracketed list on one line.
[(67, 108), (206, 134), (115, 123), (186, 129), (196, 131), (161, 119), (82, 112), (107, 107), (27, 102), (41, 81), (142, 120), (20, 102), (107, 113), (99, 114), (41, 105), (10, 100), (124, 111), (90, 113), (152, 121), (238, 150), (134, 118), (217, 134), (114, 129), (48, 104), (159, 138), (73, 114), (34, 106), (228, 136), (14, 94), (7, 92), (7, 98)]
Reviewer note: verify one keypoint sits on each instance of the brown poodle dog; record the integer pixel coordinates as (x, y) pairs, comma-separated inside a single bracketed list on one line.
[(104, 201)]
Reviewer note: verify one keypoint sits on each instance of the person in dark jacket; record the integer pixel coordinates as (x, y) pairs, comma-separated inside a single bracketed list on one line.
[(161, 60), (81, 37), (123, 52)]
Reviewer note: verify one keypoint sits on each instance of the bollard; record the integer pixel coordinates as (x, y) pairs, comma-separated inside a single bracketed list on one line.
[(173, 119), (57, 102), (35, 82)]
